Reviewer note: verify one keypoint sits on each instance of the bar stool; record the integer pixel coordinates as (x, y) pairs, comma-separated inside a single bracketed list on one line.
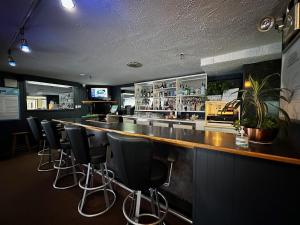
[(66, 161), (14, 141), (43, 150), (92, 157), (139, 172)]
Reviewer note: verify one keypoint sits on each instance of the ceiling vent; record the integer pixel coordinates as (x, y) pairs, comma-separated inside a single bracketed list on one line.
[(134, 64)]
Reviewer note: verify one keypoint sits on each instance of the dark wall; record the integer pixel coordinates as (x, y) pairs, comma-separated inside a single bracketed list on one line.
[(263, 69), (116, 92), (10, 126)]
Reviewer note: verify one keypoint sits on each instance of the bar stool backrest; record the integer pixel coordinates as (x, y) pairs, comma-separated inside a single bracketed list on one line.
[(132, 157), (79, 143), (99, 138), (35, 127), (52, 134)]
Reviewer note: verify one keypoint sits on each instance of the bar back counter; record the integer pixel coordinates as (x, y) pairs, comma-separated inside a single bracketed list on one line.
[(224, 183)]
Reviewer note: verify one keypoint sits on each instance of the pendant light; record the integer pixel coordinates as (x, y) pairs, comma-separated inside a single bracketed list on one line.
[(68, 4), (11, 60), (24, 47)]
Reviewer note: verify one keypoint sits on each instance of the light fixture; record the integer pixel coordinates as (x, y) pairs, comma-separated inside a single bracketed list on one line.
[(11, 60), (47, 84), (24, 47), (247, 84), (134, 64), (266, 24), (68, 4), (181, 55), (82, 74)]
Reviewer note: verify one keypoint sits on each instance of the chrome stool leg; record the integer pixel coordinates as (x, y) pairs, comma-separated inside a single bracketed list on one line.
[(42, 153), (157, 214), (89, 190), (61, 167)]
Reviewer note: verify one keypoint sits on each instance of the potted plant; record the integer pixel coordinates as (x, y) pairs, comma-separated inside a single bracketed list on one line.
[(259, 124)]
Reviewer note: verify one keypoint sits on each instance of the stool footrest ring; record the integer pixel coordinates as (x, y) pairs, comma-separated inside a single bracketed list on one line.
[(102, 211), (63, 176), (159, 218)]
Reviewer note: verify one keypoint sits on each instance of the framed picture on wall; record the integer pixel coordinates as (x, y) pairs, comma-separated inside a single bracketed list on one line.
[(10, 83)]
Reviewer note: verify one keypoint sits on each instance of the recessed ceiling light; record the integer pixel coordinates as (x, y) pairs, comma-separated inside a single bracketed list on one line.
[(68, 4), (134, 64), (82, 74)]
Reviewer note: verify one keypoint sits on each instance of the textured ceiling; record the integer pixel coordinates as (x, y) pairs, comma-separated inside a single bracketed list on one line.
[(101, 36)]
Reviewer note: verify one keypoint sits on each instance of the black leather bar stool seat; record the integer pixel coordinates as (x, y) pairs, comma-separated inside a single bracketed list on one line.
[(46, 158), (137, 169), (66, 164), (94, 158)]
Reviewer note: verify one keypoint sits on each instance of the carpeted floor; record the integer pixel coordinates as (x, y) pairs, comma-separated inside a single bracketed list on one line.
[(28, 198)]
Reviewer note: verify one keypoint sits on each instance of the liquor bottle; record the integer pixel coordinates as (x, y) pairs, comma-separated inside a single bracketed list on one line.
[(202, 89)]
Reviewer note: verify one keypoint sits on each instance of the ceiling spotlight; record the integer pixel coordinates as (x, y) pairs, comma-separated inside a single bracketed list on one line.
[(82, 74), (266, 24), (11, 60), (134, 64), (68, 4), (24, 46)]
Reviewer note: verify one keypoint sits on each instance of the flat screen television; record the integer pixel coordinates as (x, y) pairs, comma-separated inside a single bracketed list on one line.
[(99, 93)]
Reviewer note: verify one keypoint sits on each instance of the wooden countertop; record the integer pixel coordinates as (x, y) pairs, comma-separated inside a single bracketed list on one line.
[(216, 141)]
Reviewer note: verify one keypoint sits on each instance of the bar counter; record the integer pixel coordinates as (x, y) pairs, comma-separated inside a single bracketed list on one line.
[(215, 182), (216, 141)]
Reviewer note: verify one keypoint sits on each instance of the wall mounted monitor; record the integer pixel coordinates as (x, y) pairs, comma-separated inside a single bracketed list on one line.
[(113, 109), (99, 93)]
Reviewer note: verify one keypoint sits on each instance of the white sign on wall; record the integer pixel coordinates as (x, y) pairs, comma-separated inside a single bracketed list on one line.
[(9, 103)]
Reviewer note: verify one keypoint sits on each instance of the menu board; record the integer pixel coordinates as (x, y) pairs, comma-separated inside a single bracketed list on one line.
[(9, 103)]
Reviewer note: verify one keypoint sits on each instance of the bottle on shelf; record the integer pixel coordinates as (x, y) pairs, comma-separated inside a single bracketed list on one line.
[(202, 89)]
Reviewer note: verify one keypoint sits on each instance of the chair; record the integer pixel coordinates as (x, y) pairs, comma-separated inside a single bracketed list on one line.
[(139, 172), (66, 161), (43, 150), (92, 157)]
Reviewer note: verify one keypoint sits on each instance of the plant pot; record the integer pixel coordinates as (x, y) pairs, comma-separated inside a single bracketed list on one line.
[(261, 135)]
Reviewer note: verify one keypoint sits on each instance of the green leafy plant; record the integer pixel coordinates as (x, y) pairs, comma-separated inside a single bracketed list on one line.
[(237, 125), (254, 106), (217, 87)]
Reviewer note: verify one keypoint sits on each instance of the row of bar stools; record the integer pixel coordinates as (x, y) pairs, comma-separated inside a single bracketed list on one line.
[(14, 141), (139, 172), (44, 152), (136, 169), (92, 157)]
